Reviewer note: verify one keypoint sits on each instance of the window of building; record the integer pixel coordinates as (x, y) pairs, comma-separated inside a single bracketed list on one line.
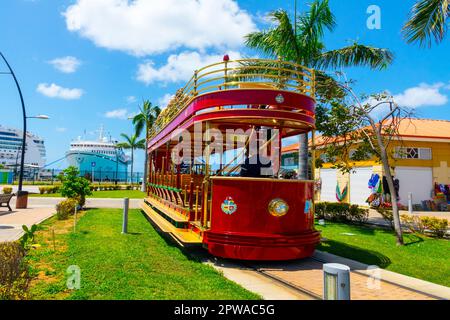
[(289, 161), (413, 153)]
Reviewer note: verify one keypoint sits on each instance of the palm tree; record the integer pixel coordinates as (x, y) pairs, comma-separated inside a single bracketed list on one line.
[(302, 43), (428, 20), (132, 143), (145, 119)]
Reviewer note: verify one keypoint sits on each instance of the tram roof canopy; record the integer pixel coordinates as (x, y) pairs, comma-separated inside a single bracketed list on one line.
[(241, 94)]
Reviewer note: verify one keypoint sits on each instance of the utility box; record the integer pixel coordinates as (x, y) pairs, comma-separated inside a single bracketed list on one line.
[(336, 281)]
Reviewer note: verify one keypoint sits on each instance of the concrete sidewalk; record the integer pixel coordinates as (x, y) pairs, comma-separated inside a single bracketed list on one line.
[(11, 222), (90, 202), (307, 274), (40, 209)]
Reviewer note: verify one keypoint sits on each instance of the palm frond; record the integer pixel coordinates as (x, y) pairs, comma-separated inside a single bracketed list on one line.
[(428, 21), (127, 138), (277, 42), (123, 145), (139, 123), (140, 144), (355, 55)]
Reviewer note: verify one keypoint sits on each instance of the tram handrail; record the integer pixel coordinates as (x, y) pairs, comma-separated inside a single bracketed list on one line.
[(231, 75)]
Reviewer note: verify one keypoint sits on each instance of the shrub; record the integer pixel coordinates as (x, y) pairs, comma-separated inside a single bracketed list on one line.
[(437, 226), (66, 208), (27, 239), (413, 223), (7, 190), (14, 272), (341, 212), (128, 187), (74, 186)]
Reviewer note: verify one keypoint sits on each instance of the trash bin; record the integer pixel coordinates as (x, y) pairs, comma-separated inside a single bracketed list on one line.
[(22, 200)]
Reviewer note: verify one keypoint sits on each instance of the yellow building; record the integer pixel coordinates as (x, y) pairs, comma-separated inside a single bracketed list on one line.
[(420, 159)]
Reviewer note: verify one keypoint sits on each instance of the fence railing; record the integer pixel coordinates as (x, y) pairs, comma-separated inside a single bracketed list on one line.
[(50, 176), (238, 74)]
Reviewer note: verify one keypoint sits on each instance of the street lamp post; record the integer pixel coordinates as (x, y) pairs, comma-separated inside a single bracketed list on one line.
[(24, 137), (22, 159)]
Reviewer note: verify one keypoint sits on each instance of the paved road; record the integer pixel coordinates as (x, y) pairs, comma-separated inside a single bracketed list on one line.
[(90, 202)]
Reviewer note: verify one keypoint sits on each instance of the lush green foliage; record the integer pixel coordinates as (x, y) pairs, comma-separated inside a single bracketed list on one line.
[(74, 186), (7, 190), (138, 265), (128, 193), (49, 189), (66, 208), (428, 21), (14, 272), (421, 224), (342, 212), (146, 117), (421, 257), (27, 239)]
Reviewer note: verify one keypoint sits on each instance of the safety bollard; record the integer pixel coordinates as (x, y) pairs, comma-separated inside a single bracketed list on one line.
[(126, 204), (336, 281), (410, 206)]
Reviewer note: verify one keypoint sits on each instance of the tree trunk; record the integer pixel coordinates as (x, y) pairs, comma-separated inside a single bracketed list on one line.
[(390, 182), (303, 157), (144, 178), (132, 163)]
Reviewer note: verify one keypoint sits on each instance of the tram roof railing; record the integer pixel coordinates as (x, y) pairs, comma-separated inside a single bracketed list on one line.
[(238, 74)]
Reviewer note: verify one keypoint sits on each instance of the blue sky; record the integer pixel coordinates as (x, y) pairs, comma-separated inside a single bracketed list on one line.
[(90, 62)]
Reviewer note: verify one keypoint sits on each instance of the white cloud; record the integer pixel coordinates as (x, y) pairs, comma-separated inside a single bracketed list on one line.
[(55, 91), (117, 114), (179, 67), (422, 95), (61, 129), (145, 27), (131, 99), (164, 100), (66, 64)]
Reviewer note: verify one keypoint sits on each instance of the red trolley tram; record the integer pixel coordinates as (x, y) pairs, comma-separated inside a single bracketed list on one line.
[(214, 162)]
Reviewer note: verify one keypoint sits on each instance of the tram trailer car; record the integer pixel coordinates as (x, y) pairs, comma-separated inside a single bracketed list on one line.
[(231, 211)]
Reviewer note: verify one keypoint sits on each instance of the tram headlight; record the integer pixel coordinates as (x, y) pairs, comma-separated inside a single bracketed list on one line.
[(278, 207)]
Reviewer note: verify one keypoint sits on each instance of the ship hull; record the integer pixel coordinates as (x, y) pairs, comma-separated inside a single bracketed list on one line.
[(102, 167)]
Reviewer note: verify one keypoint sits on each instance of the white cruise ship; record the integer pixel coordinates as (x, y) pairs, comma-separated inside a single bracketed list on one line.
[(100, 159), (11, 145)]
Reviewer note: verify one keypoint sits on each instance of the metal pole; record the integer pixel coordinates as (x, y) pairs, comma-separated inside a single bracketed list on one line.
[(126, 203), (336, 281), (75, 219), (22, 158), (410, 206)]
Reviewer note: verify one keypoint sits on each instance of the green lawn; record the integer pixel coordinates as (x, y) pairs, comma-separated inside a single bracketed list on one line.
[(132, 194), (139, 265), (422, 257)]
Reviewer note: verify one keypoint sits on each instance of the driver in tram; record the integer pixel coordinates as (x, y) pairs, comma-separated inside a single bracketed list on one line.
[(256, 166)]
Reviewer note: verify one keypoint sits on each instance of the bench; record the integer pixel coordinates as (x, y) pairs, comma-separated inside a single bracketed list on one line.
[(5, 199)]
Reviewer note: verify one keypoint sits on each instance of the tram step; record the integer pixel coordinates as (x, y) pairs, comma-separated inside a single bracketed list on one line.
[(181, 235), (172, 214)]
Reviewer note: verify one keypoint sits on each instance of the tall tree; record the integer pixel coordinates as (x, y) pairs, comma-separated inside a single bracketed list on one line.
[(302, 42), (144, 120), (132, 143), (428, 21), (367, 125)]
